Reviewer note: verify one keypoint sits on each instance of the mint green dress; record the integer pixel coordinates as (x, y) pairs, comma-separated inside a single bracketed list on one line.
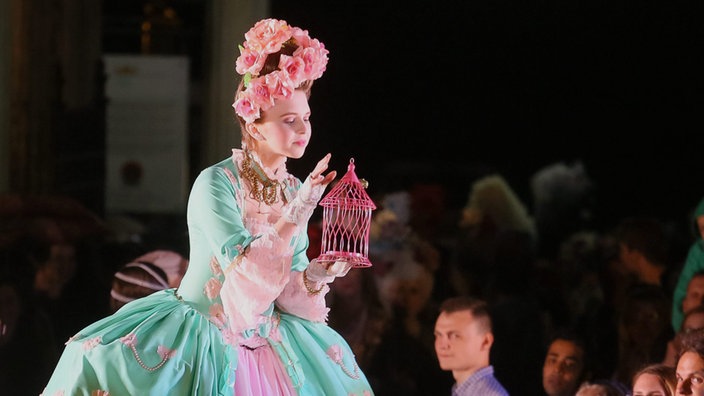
[(241, 322)]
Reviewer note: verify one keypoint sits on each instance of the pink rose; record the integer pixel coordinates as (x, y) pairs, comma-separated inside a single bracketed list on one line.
[(249, 62), (294, 67), (246, 108), (268, 35), (279, 85), (261, 93)]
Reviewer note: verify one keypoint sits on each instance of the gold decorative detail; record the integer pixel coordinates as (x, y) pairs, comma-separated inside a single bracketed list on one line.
[(262, 188), (305, 283)]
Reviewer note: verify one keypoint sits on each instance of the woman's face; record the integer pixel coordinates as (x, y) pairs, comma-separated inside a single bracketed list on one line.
[(649, 385), (284, 130), (690, 374)]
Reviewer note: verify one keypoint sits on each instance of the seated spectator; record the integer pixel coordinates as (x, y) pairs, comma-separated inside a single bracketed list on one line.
[(136, 280), (693, 320), (463, 340), (690, 365), (566, 365), (656, 379), (695, 293)]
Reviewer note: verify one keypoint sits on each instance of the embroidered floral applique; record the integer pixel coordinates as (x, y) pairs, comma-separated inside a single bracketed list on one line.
[(91, 343), (212, 288), (71, 339), (130, 340), (335, 353), (217, 315), (100, 392), (215, 267), (230, 337), (165, 353)]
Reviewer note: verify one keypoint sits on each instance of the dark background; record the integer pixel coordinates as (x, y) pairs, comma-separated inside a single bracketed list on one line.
[(443, 92), (447, 91)]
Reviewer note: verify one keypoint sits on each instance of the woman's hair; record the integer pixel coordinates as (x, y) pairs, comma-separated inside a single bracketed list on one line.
[(603, 387), (692, 341), (136, 280), (270, 65), (665, 374)]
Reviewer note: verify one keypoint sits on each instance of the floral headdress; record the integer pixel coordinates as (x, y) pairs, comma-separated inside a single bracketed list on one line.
[(307, 62)]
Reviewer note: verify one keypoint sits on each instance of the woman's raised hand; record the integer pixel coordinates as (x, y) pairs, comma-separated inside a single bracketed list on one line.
[(317, 174)]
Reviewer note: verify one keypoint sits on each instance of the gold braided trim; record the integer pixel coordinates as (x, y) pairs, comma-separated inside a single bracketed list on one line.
[(305, 283)]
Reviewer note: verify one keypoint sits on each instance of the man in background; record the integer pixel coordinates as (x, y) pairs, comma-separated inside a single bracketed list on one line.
[(463, 339)]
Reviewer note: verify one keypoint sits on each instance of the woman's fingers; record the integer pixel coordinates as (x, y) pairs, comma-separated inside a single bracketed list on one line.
[(317, 174)]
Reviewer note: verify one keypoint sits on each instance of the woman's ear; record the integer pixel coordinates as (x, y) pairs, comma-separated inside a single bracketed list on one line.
[(253, 132)]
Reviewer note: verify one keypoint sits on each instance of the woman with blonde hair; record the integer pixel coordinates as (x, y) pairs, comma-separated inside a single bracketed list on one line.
[(249, 316), (655, 380)]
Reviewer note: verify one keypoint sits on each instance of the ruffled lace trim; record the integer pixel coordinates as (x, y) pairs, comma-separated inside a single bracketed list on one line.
[(296, 300), (278, 174)]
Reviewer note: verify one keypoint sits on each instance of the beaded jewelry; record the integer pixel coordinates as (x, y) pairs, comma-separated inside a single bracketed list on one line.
[(262, 188), (305, 283)]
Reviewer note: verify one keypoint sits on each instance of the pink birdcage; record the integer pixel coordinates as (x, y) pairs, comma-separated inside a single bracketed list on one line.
[(347, 215)]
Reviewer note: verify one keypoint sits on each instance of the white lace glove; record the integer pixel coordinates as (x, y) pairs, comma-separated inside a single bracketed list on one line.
[(301, 208), (326, 273)]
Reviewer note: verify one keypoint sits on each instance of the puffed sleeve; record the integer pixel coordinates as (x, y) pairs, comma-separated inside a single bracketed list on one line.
[(256, 266), (295, 298)]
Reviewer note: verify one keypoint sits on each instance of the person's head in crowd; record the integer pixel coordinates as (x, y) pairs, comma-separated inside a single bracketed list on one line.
[(643, 248), (51, 253), (566, 365), (694, 319), (463, 336), (602, 387), (695, 292), (690, 364), (655, 380), (173, 264), (136, 280)]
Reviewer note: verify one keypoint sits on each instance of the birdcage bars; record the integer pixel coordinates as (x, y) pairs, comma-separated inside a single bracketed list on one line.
[(347, 212)]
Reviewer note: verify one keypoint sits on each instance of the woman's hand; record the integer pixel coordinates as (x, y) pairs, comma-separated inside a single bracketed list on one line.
[(301, 208), (317, 177)]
